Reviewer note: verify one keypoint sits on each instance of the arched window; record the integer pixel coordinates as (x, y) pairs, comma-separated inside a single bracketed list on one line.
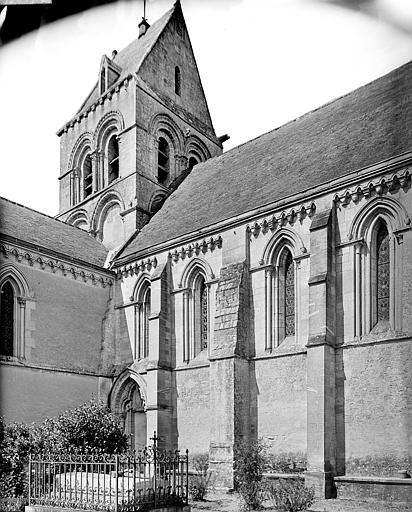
[(195, 315), (113, 158), (284, 316), (13, 293), (377, 232), (163, 161), (289, 302), (142, 314), (87, 176), (200, 314), (280, 294), (7, 319), (177, 81), (381, 278)]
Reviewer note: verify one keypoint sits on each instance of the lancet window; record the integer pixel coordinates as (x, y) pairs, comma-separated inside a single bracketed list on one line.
[(142, 314), (280, 297), (289, 295), (13, 293), (195, 315), (382, 273), (7, 319)]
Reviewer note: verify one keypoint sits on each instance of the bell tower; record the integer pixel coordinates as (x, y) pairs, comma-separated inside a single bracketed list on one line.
[(137, 135)]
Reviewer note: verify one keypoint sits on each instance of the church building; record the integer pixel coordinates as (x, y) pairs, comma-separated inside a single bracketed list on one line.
[(216, 297)]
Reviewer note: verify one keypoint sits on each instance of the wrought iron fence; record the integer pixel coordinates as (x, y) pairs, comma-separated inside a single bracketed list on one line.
[(114, 483)]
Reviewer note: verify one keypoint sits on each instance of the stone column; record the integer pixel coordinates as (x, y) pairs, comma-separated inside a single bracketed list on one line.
[(321, 417), (229, 372)]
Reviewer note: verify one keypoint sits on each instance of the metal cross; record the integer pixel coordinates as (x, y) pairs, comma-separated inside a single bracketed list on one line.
[(155, 439)]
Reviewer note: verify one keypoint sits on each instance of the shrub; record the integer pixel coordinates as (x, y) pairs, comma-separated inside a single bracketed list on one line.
[(290, 495), (15, 443), (200, 481), (286, 462), (88, 427), (250, 462)]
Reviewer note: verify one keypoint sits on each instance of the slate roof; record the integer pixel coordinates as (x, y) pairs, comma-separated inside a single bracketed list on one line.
[(26, 225), (366, 126), (131, 58)]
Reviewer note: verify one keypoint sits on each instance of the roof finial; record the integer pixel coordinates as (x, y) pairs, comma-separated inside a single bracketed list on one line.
[(143, 25)]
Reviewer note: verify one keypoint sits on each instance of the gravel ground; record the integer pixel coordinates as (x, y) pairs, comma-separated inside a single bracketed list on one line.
[(224, 502)]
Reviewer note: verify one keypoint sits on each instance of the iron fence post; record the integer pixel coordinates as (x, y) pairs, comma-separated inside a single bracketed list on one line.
[(187, 476), (116, 474), (155, 467), (29, 479)]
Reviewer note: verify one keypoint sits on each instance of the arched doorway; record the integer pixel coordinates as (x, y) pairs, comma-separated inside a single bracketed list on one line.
[(127, 401)]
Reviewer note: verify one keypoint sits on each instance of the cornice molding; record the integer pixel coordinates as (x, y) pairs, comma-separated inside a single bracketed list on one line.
[(196, 248), (107, 95), (137, 268), (271, 222), (380, 185), (54, 265)]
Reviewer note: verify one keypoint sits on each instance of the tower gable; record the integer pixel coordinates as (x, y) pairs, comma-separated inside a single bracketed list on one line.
[(170, 69)]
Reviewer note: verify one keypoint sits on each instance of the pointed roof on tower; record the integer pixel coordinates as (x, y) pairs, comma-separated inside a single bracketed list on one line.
[(131, 58)]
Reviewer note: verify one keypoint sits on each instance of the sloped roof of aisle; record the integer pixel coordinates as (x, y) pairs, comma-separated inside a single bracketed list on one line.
[(23, 224), (366, 126)]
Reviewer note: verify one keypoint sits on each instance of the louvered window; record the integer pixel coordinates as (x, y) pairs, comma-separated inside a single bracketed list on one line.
[(163, 161), (113, 158), (87, 177)]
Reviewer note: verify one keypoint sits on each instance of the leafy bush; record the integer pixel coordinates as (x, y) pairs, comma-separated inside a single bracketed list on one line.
[(286, 462), (250, 462), (12, 504), (15, 443), (290, 495), (88, 427), (200, 481)]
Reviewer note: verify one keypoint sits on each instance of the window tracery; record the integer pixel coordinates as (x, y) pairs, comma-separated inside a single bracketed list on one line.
[(289, 303), (382, 273)]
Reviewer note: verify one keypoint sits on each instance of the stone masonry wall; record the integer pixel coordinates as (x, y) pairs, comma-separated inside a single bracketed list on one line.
[(28, 394), (193, 409), (281, 402), (378, 399)]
